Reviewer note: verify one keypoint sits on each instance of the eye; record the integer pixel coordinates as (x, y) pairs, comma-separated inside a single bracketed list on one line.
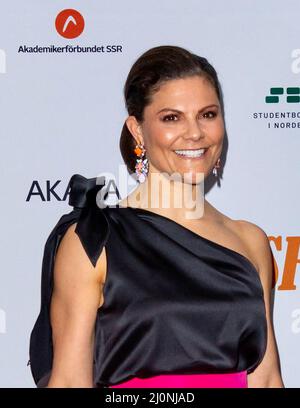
[(214, 114), (168, 117)]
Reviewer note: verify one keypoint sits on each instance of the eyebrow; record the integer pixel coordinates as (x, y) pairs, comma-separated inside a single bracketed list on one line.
[(178, 111)]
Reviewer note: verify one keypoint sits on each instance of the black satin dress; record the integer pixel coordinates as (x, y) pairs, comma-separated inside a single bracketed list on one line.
[(174, 302)]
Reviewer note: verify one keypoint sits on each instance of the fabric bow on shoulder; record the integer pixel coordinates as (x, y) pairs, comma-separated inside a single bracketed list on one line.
[(93, 230), (92, 227)]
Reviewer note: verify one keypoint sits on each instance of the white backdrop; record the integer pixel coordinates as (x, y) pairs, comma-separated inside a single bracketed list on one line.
[(62, 113)]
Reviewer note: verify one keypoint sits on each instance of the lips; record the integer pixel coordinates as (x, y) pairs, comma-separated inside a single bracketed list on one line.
[(191, 153)]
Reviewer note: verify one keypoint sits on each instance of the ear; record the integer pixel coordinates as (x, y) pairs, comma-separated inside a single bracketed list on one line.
[(135, 129)]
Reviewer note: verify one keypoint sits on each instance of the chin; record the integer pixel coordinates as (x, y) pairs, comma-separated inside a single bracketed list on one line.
[(193, 177)]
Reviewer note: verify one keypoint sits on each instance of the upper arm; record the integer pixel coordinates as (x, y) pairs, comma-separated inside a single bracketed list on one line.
[(267, 373), (74, 303)]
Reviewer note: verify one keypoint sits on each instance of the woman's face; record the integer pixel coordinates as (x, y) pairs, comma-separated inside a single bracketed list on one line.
[(183, 118)]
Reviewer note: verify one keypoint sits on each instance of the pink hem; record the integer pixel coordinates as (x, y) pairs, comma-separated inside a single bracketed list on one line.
[(231, 380)]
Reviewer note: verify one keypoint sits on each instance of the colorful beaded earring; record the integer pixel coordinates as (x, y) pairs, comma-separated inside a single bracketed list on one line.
[(141, 166), (216, 167)]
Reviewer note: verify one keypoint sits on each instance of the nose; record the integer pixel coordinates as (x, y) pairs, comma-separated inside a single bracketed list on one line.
[(194, 130)]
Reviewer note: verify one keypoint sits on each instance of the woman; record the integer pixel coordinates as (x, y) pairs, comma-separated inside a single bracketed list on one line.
[(145, 296)]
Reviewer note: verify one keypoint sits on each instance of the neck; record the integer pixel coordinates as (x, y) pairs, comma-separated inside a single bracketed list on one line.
[(170, 196)]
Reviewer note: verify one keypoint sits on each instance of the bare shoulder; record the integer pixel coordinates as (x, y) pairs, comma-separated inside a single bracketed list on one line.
[(252, 239), (257, 242), (252, 229), (254, 234)]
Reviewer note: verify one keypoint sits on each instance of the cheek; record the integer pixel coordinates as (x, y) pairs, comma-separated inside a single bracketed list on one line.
[(161, 137), (216, 130)]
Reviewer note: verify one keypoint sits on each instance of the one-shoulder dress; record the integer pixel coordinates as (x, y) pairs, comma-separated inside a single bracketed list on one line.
[(179, 309)]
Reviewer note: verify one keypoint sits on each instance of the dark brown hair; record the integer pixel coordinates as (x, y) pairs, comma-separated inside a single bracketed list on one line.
[(153, 68)]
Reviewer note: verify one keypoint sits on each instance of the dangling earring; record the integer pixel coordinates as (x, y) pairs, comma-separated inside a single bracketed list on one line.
[(141, 166), (216, 167)]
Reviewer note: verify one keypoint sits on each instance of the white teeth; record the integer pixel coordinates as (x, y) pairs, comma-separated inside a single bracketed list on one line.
[(190, 153)]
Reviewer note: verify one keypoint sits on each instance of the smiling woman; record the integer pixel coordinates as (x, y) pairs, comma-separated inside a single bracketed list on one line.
[(186, 137), (144, 296), (177, 111)]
